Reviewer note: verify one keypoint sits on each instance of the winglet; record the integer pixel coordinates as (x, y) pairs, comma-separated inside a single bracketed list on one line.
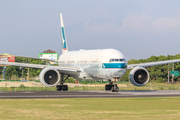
[(64, 41)]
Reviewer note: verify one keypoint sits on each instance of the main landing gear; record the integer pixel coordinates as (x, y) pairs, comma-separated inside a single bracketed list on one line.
[(112, 87), (61, 86)]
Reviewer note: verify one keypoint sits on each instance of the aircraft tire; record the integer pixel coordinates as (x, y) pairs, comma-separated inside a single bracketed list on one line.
[(65, 88), (113, 90), (108, 87), (58, 87), (117, 89)]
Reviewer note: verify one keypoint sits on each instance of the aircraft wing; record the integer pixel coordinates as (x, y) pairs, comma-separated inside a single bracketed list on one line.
[(65, 70), (37, 58), (152, 63)]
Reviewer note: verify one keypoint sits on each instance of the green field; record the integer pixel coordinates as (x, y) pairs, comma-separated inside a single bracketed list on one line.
[(91, 108)]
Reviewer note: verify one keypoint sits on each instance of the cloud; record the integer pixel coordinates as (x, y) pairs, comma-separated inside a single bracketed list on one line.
[(136, 22), (132, 22), (148, 23), (165, 24)]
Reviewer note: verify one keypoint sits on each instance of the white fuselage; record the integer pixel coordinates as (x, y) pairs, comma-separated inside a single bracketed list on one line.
[(95, 64)]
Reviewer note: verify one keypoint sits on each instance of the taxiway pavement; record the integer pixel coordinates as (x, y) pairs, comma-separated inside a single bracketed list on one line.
[(87, 94)]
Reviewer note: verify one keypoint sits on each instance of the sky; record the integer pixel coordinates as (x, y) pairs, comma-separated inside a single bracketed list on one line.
[(137, 28)]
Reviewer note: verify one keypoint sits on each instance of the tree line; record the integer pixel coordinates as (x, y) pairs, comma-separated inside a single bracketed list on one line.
[(15, 71)]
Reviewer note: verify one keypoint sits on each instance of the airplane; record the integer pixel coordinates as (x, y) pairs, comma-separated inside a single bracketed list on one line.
[(99, 64)]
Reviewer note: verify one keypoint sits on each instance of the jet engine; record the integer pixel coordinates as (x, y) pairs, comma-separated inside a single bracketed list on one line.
[(139, 76), (49, 77)]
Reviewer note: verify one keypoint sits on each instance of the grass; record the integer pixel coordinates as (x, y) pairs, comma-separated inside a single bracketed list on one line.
[(91, 108), (96, 87)]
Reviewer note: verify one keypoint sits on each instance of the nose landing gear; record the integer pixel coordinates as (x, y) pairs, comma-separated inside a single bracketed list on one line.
[(112, 87), (115, 88)]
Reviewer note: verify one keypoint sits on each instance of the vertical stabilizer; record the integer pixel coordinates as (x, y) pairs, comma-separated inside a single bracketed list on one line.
[(64, 41)]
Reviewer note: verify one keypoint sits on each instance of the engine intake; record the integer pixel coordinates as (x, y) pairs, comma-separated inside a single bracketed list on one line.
[(139, 76), (49, 77)]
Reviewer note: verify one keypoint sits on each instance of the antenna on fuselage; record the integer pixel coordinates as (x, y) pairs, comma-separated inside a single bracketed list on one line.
[(64, 41)]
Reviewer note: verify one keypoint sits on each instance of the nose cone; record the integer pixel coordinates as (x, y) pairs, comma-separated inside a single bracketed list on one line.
[(119, 73), (123, 65), (117, 69)]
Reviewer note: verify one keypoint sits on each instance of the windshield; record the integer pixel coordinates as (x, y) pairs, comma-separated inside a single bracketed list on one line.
[(117, 60)]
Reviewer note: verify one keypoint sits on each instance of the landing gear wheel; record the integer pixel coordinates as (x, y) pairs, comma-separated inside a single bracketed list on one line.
[(108, 87), (61, 86), (58, 87), (65, 88), (115, 88)]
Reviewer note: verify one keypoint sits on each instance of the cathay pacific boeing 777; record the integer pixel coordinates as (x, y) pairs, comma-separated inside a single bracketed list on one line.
[(101, 64)]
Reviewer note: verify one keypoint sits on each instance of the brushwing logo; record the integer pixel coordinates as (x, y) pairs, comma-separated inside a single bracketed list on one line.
[(64, 40)]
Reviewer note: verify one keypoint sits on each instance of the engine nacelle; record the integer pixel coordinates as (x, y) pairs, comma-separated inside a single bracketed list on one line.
[(49, 77), (139, 76)]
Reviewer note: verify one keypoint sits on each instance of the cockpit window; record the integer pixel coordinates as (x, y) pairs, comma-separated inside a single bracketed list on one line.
[(117, 60), (121, 60), (111, 60)]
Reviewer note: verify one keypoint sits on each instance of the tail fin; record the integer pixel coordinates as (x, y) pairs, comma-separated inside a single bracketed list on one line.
[(64, 41)]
